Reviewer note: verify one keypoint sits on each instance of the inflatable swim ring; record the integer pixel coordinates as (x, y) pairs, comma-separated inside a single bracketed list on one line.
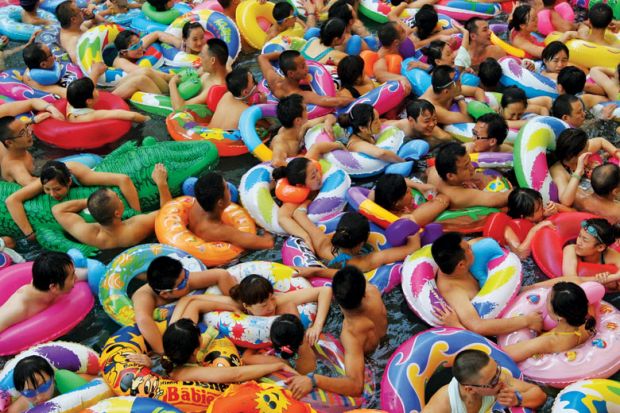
[(171, 228), (545, 26), (11, 23), (128, 265), (130, 404), (255, 194), (247, 129), (530, 155), (50, 5), (497, 270), (55, 321), (403, 387), (533, 84), (99, 41), (123, 19), (254, 19), (12, 86), (598, 357), (84, 135), (383, 98), (252, 331), (588, 396), (151, 20), (587, 54), (499, 221), (548, 243)]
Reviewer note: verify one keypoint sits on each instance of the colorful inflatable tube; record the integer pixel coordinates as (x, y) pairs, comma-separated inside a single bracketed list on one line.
[(589, 396), (383, 98), (588, 54), (255, 18), (11, 24), (533, 84), (12, 86), (247, 128), (130, 404), (151, 20)]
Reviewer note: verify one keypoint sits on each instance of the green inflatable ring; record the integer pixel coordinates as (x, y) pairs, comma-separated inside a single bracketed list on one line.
[(475, 109), (163, 17), (67, 381)]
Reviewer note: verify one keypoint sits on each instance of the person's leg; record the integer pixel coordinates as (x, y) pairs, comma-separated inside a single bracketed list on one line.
[(159, 78), (135, 82)]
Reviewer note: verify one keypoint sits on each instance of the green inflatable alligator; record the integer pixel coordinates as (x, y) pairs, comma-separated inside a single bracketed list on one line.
[(182, 159)]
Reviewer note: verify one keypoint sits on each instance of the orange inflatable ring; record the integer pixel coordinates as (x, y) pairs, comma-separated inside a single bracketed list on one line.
[(393, 62), (295, 194), (171, 228)]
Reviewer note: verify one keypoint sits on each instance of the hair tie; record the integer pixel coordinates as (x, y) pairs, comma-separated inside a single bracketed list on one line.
[(286, 349)]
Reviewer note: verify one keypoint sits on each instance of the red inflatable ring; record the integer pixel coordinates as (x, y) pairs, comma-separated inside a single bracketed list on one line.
[(84, 135), (496, 224)]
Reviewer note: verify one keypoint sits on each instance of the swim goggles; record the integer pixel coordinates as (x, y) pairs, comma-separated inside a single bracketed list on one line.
[(592, 231), (181, 285), (32, 393), (135, 46), (457, 75)]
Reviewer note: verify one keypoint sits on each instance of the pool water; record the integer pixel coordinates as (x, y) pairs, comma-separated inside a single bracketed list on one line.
[(97, 327)]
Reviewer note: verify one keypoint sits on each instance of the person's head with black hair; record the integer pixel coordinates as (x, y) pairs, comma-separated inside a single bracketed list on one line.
[(452, 253), (332, 32), (167, 277), (56, 179), (490, 73), (389, 36), (489, 132), (445, 81), (255, 294), (15, 134), (193, 35), (341, 10), (160, 5), (439, 53), (214, 55), (212, 193), (568, 302), (129, 45), (478, 374), (422, 117), (284, 15), (81, 93), (240, 83), (291, 111), (293, 65), (513, 103), (525, 203), (352, 233), (349, 288), (426, 20), (571, 80), (570, 109), (229, 6), (287, 335), (595, 236), (606, 180), (600, 16), (300, 171), (570, 144), (555, 57), (69, 14), (181, 342), (105, 206), (38, 56), (363, 119), (479, 32), (33, 377), (453, 164), (54, 272), (392, 193), (351, 72), (549, 3), (29, 6), (524, 19)]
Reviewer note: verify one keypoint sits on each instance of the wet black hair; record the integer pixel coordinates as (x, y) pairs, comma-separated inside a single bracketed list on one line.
[(340, 10), (519, 16), (79, 91), (218, 49), (572, 79), (471, 25), (294, 171), (51, 267), (513, 94), (282, 10), (490, 73), (64, 13), (447, 251), (605, 178), (123, 39), (448, 155), (553, 48), (225, 3), (426, 20), (330, 30), (570, 143), (34, 55), (600, 15), (434, 51), (607, 233), (290, 108), (188, 27), (159, 5), (237, 81), (562, 105), (441, 77), (548, 3), (287, 331), (497, 127), (387, 34), (522, 202), (570, 302), (209, 189), (360, 116), (29, 5), (390, 188), (253, 289), (417, 107), (28, 369), (467, 365), (286, 61), (5, 131), (350, 69), (55, 170), (163, 273), (349, 287), (180, 340), (352, 230), (99, 205)]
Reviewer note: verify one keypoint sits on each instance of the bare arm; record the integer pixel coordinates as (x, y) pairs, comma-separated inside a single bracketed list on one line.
[(383, 75), (533, 396), (192, 306), (326, 101), (15, 205), (352, 383), (447, 117), (87, 176), (227, 374), (439, 403), (529, 47), (144, 304), (163, 37), (374, 151), (103, 114), (226, 233), (66, 213), (14, 310), (390, 255), (21, 174), (527, 348), (264, 62), (569, 261)]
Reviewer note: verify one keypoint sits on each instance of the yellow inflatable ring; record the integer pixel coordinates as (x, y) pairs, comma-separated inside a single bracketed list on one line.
[(253, 18), (589, 54), (171, 228)]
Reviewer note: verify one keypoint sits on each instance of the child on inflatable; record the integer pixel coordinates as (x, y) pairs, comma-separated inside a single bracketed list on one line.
[(286, 18), (29, 13), (605, 182), (81, 99), (168, 281), (53, 275)]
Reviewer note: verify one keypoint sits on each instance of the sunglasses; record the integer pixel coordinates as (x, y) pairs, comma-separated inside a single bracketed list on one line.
[(135, 46), (493, 383), (181, 285), (32, 393), (27, 131), (592, 231)]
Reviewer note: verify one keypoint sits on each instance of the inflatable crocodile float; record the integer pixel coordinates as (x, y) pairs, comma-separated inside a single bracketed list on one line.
[(182, 159)]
